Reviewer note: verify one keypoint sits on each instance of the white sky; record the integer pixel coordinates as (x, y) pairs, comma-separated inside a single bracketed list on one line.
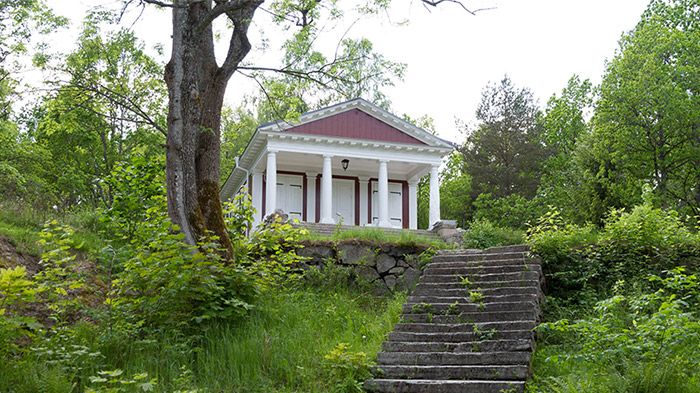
[(450, 54)]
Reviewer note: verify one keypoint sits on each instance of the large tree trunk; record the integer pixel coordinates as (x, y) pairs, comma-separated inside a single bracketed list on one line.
[(196, 87)]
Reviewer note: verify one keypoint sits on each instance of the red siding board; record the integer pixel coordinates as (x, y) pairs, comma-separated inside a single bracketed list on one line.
[(355, 124)]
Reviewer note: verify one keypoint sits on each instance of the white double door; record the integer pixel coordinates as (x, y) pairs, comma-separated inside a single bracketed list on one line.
[(344, 201), (290, 195), (395, 204)]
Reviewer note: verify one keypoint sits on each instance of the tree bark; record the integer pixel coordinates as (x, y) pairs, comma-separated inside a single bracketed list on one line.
[(196, 87)]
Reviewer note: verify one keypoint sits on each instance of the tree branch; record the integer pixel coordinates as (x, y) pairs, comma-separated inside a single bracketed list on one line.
[(436, 3)]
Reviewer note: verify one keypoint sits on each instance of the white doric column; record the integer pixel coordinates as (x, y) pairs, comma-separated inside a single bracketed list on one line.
[(311, 196), (413, 204), (257, 197), (327, 191), (434, 196), (383, 197), (271, 183), (364, 202)]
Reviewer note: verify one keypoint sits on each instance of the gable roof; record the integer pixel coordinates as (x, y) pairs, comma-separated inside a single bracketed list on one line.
[(333, 122), (389, 119), (354, 124)]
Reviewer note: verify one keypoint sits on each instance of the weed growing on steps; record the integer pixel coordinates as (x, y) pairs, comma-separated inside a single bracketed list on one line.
[(464, 280), (422, 308), (483, 335), (476, 296), (452, 309)]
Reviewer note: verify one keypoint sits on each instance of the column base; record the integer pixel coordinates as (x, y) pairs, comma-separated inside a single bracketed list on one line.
[(326, 221)]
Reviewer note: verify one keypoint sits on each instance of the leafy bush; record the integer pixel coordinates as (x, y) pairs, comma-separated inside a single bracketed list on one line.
[(646, 240), (61, 279), (169, 285), (565, 250), (632, 245), (136, 186), (272, 256), (16, 291), (485, 234), (512, 211), (634, 343), (349, 369)]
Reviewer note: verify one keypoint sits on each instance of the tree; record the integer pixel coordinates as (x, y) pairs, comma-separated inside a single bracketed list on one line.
[(503, 155), (455, 187), (647, 121), (564, 127), (111, 102), (196, 87)]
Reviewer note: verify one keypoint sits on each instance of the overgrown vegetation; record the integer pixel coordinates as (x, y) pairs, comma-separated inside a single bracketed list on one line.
[(622, 304)]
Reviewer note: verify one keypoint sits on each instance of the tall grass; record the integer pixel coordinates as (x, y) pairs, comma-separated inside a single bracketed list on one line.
[(21, 225), (280, 347)]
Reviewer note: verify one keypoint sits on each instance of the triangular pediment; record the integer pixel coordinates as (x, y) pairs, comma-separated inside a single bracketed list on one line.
[(354, 124)]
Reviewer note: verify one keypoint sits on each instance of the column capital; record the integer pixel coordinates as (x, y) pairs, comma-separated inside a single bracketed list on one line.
[(272, 151), (311, 175), (413, 182), (383, 161), (435, 166), (328, 155), (363, 178)]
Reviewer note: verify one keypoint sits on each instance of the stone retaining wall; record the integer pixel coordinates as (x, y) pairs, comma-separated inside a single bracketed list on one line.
[(389, 266)]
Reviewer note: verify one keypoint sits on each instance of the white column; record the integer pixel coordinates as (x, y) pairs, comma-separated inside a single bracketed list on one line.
[(413, 204), (383, 197), (434, 196), (311, 196), (364, 202), (257, 197), (327, 191), (271, 183)]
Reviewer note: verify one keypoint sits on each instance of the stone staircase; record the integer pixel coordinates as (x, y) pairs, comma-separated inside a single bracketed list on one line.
[(467, 327)]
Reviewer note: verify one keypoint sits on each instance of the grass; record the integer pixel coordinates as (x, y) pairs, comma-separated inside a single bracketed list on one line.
[(21, 227), (279, 348), (554, 372), (379, 236)]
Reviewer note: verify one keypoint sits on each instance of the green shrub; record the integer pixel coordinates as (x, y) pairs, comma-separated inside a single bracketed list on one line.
[(272, 257), (646, 240), (136, 186), (169, 285), (512, 211), (565, 251), (485, 234), (16, 292), (642, 342), (348, 369)]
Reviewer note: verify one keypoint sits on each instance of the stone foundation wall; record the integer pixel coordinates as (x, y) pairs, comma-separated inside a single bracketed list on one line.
[(390, 267)]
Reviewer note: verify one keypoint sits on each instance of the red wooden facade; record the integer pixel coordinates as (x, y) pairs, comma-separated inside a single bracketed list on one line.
[(355, 124)]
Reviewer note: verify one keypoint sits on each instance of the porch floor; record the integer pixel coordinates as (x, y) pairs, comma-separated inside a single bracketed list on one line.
[(330, 229)]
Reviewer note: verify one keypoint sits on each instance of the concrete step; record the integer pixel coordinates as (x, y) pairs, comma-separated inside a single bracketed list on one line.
[(499, 249), (418, 327), (453, 372), (442, 386), (486, 269), (528, 282), (423, 291), (494, 262), (453, 278), (453, 359), (480, 256), (470, 346), (457, 308), (462, 336), (472, 317), (466, 298)]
